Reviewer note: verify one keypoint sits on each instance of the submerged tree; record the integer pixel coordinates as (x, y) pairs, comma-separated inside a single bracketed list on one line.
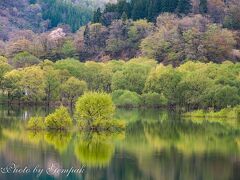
[(94, 110), (59, 120)]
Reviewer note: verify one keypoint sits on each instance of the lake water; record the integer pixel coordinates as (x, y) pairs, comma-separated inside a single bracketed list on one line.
[(157, 145)]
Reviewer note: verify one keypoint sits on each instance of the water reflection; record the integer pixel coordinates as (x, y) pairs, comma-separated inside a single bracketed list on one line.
[(96, 149), (156, 145), (58, 139)]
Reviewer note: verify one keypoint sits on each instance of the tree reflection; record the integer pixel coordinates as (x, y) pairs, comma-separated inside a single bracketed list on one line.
[(190, 137), (95, 149), (59, 139)]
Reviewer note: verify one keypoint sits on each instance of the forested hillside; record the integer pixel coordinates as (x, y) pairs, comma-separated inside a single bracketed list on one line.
[(171, 32), (42, 15)]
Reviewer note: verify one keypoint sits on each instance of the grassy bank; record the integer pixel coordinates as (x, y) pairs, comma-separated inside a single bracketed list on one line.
[(231, 113)]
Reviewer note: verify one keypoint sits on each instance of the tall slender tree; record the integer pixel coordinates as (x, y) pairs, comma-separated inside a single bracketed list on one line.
[(97, 16)]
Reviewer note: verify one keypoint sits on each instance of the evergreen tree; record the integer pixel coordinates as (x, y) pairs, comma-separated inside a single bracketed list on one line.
[(154, 8), (168, 5), (65, 12), (203, 9), (139, 9), (124, 16), (184, 6), (97, 16), (86, 36)]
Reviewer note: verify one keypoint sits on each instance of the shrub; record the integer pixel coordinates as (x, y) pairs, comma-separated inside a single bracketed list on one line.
[(125, 98), (94, 109), (197, 113), (59, 120), (233, 113), (154, 100), (36, 123)]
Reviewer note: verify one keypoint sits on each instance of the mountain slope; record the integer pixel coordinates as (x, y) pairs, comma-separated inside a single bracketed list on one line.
[(41, 15), (20, 14)]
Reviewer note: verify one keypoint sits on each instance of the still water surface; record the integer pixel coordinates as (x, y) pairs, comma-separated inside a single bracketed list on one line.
[(157, 145)]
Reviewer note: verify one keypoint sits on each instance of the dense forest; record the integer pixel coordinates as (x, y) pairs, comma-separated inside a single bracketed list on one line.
[(166, 55)]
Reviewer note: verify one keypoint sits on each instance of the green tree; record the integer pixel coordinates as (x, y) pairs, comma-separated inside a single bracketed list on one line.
[(68, 49), (52, 83), (94, 109), (203, 6), (73, 67), (97, 16), (59, 120), (3, 59), (36, 123), (164, 80), (125, 98), (11, 82), (32, 83), (4, 68), (124, 16), (191, 90), (219, 96), (97, 76), (131, 78), (184, 6), (24, 59), (73, 88)]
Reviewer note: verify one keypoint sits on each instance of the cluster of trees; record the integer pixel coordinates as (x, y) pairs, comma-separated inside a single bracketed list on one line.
[(176, 40), (40, 83), (138, 82), (94, 111), (171, 40)]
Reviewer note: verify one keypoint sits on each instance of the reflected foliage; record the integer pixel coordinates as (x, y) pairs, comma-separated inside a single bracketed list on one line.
[(95, 149), (58, 139)]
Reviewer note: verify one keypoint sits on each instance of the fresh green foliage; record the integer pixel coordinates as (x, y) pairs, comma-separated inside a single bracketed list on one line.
[(164, 80), (125, 98), (58, 139), (94, 110), (52, 83), (132, 77), (232, 113), (154, 100), (32, 83), (4, 68), (24, 59), (36, 123), (73, 88), (59, 120), (138, 82), (3, 59)]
